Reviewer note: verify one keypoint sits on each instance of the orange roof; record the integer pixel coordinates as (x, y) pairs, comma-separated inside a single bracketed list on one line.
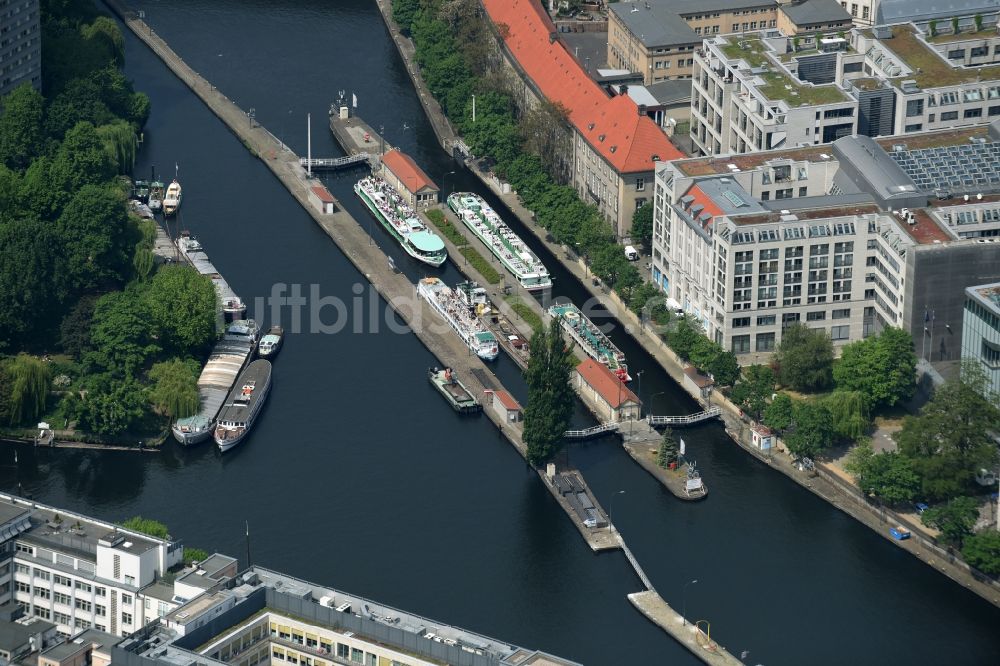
[(704, 200), (507, 400), (323, 194), (612, 125), (608, 386), (412, 176)]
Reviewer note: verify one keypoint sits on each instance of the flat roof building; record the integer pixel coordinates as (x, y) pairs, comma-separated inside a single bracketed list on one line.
[(265, 617)]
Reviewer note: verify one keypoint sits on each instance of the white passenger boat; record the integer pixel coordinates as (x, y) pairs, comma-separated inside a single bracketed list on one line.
[(460, 313), (172, 200), (401, 221), (507, 246), (591, 339)]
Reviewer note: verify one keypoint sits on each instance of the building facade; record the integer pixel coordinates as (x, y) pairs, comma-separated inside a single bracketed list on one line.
[(847, 238), (409, 180), (20, 45), (981, 332), (80, 573)]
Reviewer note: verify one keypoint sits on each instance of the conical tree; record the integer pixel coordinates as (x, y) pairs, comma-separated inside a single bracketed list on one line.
[(668, 449), (550, 397)]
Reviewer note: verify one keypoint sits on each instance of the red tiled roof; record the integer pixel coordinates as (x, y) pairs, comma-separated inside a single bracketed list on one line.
[(708, 206), (608, 386), (630, 141), (412, 176), (323, 194), (507, 400)]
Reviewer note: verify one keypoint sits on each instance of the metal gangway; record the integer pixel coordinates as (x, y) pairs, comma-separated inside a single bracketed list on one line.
[(332, 163), (592, 432), (687, 419)]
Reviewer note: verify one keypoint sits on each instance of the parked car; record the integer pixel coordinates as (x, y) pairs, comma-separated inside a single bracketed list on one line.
[(920, 507)]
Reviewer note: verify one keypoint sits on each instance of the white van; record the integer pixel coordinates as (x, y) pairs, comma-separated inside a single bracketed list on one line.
[(631, 253)]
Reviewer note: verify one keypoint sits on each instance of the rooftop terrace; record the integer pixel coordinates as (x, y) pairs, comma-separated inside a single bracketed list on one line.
[(930, 69), (706, 166), (779, 85), (824, 213)]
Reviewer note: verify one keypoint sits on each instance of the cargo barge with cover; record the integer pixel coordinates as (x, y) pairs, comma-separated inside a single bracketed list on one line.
[(232, 306), (224, 364)]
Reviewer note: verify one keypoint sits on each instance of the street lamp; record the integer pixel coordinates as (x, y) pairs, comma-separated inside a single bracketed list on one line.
[(653, 397), (684, 600), (444, 179), (611, 505)]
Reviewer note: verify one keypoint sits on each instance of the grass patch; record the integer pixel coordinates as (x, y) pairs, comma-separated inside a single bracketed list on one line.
[(755, 54), (524, 312), (438, 219), (484, 267), (933, 69)]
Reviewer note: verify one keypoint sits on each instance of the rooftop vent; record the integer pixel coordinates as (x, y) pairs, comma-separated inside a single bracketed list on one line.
[(613, 149), (909, 85), (600, 137), (590, 126), (882, 32), (655, 157), (552, 37)]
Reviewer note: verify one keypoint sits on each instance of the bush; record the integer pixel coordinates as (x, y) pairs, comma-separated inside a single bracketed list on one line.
[(484, 267), (148, 526)]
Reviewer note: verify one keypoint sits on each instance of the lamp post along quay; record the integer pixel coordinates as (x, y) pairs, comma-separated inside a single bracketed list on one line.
[(611, 505)]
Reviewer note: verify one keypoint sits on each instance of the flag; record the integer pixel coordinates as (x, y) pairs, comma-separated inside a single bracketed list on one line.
[(682, 446), (354, 100)]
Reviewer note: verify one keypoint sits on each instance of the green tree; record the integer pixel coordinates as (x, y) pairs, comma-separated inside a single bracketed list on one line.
[(954, 519), (29, 272), (850, 413), (182, 307), (113, 407), (147, 526), (30, 388), (703, 353), (982, 550), (121, 334), (780, 414), (888, 476), (192, 555), (175, 388), (609, 263), (550, 397), (883, 367), (668, 450), (754, 388), (805, 358), (21, 114), (97, 238), (685, 335), (724, 368), (74, 331), (813, 431), (642, 226), (950, 440)]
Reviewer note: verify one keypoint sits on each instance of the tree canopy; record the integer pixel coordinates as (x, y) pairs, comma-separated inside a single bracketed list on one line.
[(954, 519), (950, 440), (888, 476), (805, 358), (780, 414), (982, 550), (550, 396), (754, 388), (812, 431), (882, 367), (642, 226)]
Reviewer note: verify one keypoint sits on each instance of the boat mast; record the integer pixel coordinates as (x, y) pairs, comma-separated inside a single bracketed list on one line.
[(309, 144)]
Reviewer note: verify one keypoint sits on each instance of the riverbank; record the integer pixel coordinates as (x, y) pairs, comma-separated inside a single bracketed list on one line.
[(841, 496)]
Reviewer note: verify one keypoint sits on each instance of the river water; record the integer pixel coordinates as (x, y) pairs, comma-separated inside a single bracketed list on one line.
[(360, 477)]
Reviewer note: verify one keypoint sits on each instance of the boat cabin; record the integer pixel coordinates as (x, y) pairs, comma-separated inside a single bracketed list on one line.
[(402, 173)]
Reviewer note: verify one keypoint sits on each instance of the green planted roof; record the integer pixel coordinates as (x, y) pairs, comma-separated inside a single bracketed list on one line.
[(779, 85)]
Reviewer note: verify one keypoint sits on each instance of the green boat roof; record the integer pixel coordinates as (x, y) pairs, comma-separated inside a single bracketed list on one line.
[(485, 336), (426, 241)]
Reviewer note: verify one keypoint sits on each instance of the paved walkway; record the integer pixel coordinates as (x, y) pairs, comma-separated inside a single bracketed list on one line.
[(694, 637)]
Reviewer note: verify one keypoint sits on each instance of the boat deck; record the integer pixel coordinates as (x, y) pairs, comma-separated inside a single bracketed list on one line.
[(241, 401)]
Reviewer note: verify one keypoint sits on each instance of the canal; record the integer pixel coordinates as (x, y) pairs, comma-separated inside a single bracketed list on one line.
[(360, 477)]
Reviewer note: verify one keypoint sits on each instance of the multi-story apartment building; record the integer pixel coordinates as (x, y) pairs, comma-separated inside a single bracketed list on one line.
[(264, 617), (20, 45), (769, 91), (848, 238), (615, 145), (81, 573), (657, 38)]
